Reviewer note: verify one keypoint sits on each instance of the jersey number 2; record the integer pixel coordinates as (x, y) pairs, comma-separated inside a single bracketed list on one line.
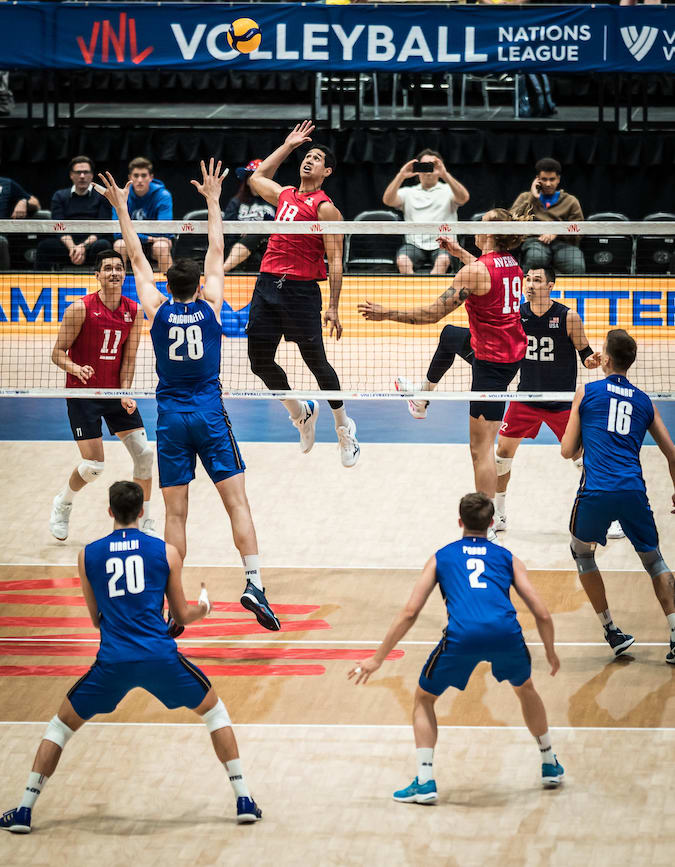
[(192, 335), (512, 293), (132, 568), (620, 416), (476, 568)]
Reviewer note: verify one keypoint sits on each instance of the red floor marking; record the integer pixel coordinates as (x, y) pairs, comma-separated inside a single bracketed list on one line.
[(39, 599), (278, 609), (50, 649), (39, 583), (209, 670), (236, 627)]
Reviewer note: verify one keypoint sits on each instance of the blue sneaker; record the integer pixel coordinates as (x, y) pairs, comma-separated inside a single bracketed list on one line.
[(254, 600), (552, 775), (247, 811), (618, 640), (417, 793), (17, 820)]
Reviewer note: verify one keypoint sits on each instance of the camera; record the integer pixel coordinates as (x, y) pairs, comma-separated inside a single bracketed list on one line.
[(423, 167)]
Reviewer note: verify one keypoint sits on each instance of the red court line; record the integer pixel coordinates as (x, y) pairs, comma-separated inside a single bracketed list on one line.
[(39, 599), (236, 627), (209, 670), (48, 649), (38, 583)]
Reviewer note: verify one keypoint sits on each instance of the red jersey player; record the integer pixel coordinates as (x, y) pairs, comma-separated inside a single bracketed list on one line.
[(287, 299), (96, 346), (491, 286)]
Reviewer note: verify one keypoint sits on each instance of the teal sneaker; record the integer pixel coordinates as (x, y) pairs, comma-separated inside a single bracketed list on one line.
[(552, 775), (417, 793)]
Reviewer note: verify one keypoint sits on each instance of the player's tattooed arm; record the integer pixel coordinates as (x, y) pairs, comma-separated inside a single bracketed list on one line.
[(88, 593), (576, 333), (71, 324), (571, 441), (450, 300)]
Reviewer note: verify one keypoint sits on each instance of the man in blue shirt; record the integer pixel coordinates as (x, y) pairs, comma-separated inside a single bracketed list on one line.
[(610, 418), (15, 204), (475, 578), (124, 579)]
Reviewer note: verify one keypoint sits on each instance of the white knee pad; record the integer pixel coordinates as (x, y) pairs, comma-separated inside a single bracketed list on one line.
[(217, 717), (136, 443), (503, 465), (90, 470), (584, 555), (58, 732), (653, 562)]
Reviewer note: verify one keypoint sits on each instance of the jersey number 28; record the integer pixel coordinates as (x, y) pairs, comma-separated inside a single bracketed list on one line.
[(192, 335), (132, 568)]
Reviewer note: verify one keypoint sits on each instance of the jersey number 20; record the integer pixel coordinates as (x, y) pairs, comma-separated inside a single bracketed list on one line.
[(192, 335), (132, 568)]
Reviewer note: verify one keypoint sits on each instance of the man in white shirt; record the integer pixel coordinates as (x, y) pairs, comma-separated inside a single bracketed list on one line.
[(434, 199)]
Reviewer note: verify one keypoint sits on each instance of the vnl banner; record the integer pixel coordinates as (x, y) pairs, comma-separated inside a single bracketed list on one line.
[(314, 36)]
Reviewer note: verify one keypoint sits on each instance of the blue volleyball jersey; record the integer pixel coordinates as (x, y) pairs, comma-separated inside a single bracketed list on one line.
[(187, 342), (475, 578), (615, 416), (128, 572)]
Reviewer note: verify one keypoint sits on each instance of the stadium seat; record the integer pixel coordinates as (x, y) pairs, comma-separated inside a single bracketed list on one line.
[(32, 240), (193, 246), (372, 252), (609, 255), (655, 254)]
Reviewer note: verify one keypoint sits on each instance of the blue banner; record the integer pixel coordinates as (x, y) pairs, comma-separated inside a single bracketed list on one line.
[(584, 38)]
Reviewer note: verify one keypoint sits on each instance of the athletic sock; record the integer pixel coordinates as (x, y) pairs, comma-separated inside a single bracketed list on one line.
[(425, 765), (427, 385), (251, 564), (67, 495), (340, 416), (500, 503), (146, 510), (234, 771), (671, 622), (36, 783), (295, 408), (545, 748), (606, 619)]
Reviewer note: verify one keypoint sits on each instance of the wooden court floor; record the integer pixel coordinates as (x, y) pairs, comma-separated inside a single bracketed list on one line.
[(323, 756)]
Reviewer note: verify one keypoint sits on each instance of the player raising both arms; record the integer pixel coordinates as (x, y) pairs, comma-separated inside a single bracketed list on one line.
[(124, 579), (96, 346), (491, 286), (191, 419), (287, 299), (610, 419)]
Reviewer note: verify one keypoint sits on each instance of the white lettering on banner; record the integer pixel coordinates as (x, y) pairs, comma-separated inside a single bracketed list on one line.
[(415, 45), (470, 55), (554, 33), (380, 44), (443, 56), (347, 41), (212, 47), (515, 53), (312, 39), (188, 49), (282, 52), (668, 53)]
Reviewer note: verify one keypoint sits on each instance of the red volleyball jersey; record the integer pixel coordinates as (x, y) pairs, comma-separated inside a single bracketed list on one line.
[(298, 256), (101, 341), (494, 319)]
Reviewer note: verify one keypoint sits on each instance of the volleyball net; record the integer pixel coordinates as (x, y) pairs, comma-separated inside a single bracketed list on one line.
[(628, 281)]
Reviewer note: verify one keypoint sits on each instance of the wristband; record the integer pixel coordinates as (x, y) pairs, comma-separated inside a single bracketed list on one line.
[(584, 353)]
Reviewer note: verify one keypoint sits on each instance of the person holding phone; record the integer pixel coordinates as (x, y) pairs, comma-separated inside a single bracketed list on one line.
[(434, 198)]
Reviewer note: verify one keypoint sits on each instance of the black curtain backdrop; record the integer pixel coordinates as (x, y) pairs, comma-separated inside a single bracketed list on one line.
[(626, 172)]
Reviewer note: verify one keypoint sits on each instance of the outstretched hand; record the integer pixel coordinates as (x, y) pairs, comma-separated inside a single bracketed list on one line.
[(372, 311), (362, 670), (212, 180), (300, 134), (450, 245), (115, 195), (332, 320)]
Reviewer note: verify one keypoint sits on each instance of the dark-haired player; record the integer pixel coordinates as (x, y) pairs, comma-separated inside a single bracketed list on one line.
[(125, 577), (475, 578), (287, 299), (610, 419), (96, 346), (192, 421)]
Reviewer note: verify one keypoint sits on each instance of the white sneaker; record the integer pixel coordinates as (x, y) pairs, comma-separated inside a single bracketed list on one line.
[(59, 518), (348, 445), (579, 463), (615, 531), (306, 424), (147, 525), (499, 523), (492, 536), (416, 408)]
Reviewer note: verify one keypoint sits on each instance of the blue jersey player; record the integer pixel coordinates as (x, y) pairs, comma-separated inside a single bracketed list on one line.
[(610, 418), (475, 578), (124, 579), (191, 418)]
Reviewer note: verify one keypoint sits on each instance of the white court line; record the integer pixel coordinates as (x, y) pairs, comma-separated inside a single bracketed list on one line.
[(274, 641)]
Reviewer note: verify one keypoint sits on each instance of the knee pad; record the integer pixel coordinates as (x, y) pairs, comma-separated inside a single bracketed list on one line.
[(90, 470), (136, 443), (503, 465), (58, 732), (584, 555), (217, 717), (653, 562)]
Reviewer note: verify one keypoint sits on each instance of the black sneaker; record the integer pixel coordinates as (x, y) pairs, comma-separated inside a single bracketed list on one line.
[(670, 656), (619, 641), (254, 600)]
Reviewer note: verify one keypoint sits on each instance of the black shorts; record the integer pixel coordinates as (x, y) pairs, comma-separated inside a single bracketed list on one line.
[(490, 376), (284, 308), (85, 416)]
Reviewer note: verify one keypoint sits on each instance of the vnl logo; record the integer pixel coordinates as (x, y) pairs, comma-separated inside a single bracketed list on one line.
[(639, 42)]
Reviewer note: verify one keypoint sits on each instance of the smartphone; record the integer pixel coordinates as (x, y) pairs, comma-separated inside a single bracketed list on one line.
[(423, 167)]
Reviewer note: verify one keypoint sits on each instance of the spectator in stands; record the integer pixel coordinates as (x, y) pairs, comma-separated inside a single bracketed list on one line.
[(547, 202), (246, 206), (433, 199), (148, 199), (15, 204), (77, 202), (6, 95)]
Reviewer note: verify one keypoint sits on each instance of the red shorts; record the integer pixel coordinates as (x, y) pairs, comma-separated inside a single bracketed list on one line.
[(524, 420)]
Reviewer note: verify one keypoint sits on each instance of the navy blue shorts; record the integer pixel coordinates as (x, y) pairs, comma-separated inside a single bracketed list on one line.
[(451, 664), (594, 511), (181, 436), (176, 682), (85, 416)]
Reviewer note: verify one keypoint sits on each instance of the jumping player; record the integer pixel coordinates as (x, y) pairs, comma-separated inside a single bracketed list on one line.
[(96, 346), (124, 579), (287, 300), (491, 286), (610, 418), (475, 579), (191, 419)]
